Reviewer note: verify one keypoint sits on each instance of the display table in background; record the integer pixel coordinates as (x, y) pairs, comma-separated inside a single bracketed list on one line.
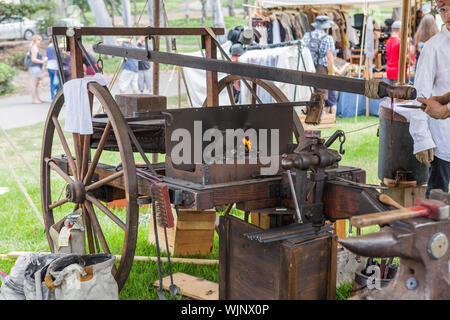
[(347, 104)]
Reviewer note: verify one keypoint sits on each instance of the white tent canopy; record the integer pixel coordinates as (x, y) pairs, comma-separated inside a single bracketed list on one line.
[(344, 3)]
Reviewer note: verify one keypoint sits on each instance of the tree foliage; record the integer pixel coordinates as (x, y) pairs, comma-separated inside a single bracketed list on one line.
[(23, 9), (6, 78)]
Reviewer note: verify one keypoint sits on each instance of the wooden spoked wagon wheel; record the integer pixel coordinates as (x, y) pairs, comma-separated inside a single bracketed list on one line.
[(108, 230), (277, 94), (228, 81)]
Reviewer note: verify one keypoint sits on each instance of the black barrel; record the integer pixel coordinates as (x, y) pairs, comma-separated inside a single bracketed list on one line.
[(395, 151)]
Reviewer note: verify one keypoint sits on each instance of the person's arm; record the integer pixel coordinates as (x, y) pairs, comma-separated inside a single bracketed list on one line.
[(330, 57), (330, 62)]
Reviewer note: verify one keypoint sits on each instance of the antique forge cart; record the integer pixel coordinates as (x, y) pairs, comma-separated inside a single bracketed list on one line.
[(328, 192)]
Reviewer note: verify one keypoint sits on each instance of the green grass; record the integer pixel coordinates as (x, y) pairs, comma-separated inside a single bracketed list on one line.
[(361, 147), (20, 230)]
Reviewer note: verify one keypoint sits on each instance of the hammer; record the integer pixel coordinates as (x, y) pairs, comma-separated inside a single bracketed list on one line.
[(428, 208), (384, 198)]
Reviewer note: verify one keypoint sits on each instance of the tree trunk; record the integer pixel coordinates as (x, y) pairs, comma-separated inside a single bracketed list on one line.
[(110, 8), (231, 8), (135, 13), (245, 8), (126, 13), (83, 16), (102, 19), (150, 13), (204, 12), (217, 17), (186, 10), (116, 6)]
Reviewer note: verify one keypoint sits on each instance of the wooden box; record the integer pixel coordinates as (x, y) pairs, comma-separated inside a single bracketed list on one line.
[(192, 234), (131, 103), (406, 196), (303, 268)]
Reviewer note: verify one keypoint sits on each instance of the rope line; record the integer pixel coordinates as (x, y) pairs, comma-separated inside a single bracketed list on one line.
[(16, 151), (22, 188), (356, 130), (119, 66)]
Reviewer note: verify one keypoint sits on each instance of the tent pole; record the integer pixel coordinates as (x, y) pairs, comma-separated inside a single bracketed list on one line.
[(406, 8), (362, 41)]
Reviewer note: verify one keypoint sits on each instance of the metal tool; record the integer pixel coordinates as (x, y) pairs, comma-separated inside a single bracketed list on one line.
[(297, 209), (411, 106), (286, 232), (158, 254), (164, 216), (422, 246), (429, 208)]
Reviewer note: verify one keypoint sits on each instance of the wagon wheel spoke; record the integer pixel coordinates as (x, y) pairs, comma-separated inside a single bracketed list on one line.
[(87, 222), (106, 211), (86, 152), (58, 170), (98, 152), (97, 227), (58, 203), (230, 93), (255, 94), (65, 146), (77, 147), (104, 181)]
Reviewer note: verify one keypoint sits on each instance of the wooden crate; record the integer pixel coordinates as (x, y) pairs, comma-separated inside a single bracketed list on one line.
[(327, 120), (406, 196), (303, 268), (192, 234), (131, 103)]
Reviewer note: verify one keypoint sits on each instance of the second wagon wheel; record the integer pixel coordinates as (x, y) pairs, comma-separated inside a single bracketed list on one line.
[(69, 181), (276, 93)]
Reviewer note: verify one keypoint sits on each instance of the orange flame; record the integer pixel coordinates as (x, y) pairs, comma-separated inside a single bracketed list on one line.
[(247, 143)]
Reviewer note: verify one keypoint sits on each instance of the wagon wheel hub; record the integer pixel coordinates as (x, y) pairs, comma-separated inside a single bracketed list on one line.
[(75, 192)]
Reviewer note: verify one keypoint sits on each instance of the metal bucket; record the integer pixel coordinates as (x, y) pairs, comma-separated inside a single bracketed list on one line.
[(395, 151), (361, 282)]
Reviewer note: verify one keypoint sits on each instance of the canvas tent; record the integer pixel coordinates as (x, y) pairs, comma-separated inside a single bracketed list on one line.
[(348, 4)]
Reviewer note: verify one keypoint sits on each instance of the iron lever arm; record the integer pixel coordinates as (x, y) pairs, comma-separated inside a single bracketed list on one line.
[(375, 88)]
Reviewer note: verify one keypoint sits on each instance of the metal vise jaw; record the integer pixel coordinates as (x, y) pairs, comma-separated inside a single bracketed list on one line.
[(422, 245), (311, 154)]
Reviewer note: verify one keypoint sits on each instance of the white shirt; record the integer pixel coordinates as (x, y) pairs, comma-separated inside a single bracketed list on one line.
[(432, 79)]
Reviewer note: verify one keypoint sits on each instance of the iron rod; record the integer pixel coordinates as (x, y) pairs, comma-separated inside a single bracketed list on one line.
[(256, 71)]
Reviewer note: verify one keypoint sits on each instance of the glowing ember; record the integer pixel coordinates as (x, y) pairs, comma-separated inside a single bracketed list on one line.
[(247, 143)]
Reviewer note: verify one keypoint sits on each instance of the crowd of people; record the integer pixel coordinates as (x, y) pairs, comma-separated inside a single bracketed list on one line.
[(425, 31), (136, 76)]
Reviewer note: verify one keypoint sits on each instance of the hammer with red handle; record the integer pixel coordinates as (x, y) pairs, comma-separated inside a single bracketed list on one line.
[(428, 208)]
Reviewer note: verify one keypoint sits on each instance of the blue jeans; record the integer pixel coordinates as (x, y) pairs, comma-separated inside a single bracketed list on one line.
[(54, 88), (439, 176)]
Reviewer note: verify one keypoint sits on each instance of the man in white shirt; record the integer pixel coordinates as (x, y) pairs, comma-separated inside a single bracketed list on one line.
[(432, 136)]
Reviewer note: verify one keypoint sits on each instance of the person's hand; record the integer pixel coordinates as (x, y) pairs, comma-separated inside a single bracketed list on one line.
[(425, 157), (434, 107)]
